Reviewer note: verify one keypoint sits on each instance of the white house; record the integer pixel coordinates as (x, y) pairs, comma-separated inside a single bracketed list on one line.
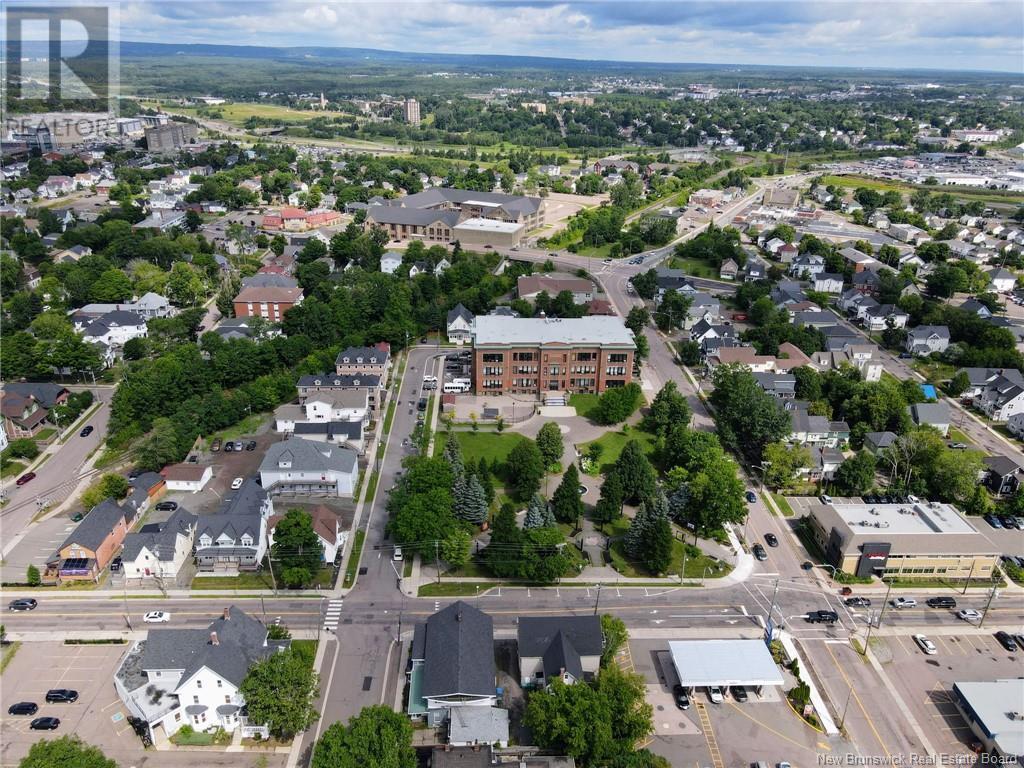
[(1000, 399), (234, 538), (1016, 424), (299, 466), (158, 551), (338, 405), (326, 525), (460, 324), (828, 282), (115, 328), (390, 262), (1001, 280), (190, 478), (178, 677), (926, 339)]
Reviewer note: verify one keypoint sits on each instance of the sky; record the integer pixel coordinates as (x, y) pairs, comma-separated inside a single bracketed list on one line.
[(938, 34)]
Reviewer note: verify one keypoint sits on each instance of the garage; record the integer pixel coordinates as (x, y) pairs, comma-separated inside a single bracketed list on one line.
[(190, 478), (723, 663)]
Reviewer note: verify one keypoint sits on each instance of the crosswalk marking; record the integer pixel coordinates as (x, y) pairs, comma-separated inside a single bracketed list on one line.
[(332, 615)]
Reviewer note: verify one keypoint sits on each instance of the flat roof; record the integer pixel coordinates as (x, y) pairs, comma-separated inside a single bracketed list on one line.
[(902, 519), (598, 330), (490, 225), (993, 703), (724, 662)]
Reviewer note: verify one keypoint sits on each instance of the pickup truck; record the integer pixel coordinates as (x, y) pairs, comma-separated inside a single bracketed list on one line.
[(822, 617)]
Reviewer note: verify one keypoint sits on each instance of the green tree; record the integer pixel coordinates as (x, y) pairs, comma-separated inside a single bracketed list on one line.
[(549, 441), (193, 221), (617, 404), (649, 538), (378, 737), (111, 286), (645, 284), (297, 548), (280, 691), (455, 548), (856, 475), (65, 752), (615, 637), (471, 505), (635, 473), (566, 502), (525, 469), (638, 319), (32, 577), (782, 462), (108, 486), (573, 720), (23, 448), (160, 447), (609, 505), (626, 694), (453, 454), (748, 418), (184, 286), (715, 496), (668, 409), (538, 513), (959, 384)]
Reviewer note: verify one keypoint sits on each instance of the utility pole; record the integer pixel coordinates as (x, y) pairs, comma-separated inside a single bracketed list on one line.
[(682, 569), (598, 600), (270, 564), (842, 720), (885, 602), (867, 639), (437, 560), (969, 577), (984, 614), (771, 609)]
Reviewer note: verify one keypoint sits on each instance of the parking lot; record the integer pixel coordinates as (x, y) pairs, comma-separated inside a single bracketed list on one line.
[(761, 728), (926, 682), (98, 716)]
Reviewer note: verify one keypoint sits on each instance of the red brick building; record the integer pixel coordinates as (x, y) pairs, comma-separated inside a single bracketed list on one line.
[(531, 356), (270, 302)]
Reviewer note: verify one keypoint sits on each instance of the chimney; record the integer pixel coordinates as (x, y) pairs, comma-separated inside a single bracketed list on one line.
[(227, 614), (458, 616), (213, 639)]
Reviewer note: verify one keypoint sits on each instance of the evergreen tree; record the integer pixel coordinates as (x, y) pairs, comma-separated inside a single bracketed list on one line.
[(677, 501), (453, 454), (609, 506), (502, 554), (549, 441), (538, 513), (474, 502), (484, 474), (566, 503), (638, 478), (649, 538)]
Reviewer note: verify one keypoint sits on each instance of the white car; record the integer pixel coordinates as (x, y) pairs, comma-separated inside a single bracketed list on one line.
[(430, 379), (926, 645), (715, 694), (397, 556), (969, 614), (156, 617), (236, 483), (904, 602)]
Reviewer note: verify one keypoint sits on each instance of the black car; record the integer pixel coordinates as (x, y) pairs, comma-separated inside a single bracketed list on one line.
[(1006, 640), (115, 564), (771, 540), (807, 565), (739, 693), (22, 604), (681, 697), (61, 696), (422, 404), (858, 602), (822, 617), (760, 553), (86, 431), (751, 498), (229, 447), (45, 724), (167, 506), (23, 708), (941, 602), (251, 445)]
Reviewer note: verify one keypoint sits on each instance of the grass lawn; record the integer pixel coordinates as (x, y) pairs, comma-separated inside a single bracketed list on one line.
[(493, 446), (1002, 429), (934, 372), (694, 267), (256, 580), (456, 588), (584, 404), (471, 570), (959, 437), (307, 648), (12, 468), (244, 428), (595, 252), (45, 434), (371, 488), (389, 417), (883, 185), (7, 654), (200, 739), (612, 444), (353, 560), (783, 504), (697, 563)]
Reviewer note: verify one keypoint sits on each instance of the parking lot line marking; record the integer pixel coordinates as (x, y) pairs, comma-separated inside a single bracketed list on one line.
[(768, 727), (860, 704), (709, 735)]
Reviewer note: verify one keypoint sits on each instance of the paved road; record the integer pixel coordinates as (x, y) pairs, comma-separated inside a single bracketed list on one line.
[(57, 477)]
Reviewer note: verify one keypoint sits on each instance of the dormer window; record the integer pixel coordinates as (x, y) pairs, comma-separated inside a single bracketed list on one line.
[(246, 541), (316, 382), (355, 382), (359, 360), (344, 360)]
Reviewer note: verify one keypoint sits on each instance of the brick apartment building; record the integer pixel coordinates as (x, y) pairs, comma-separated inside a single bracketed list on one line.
[(269, 302), (531, 356)]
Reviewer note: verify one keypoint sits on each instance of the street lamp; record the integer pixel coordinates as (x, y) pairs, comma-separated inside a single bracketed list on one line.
[(598, 600)]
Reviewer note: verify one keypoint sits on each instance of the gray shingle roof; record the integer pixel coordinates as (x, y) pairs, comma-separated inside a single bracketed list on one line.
[(459, 311), (97, 525), (369, 355), (308, 456), (459, 652), (560, 641), (340, 380), (159, 538), (44, 392), (269, 280)]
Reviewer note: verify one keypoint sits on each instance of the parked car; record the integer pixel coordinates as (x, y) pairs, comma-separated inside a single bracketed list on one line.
[(61, 696), (807, 565), (959, 446), (397, 556), (903, 602), (115, 564), (156, 617), (990, 519), (751, 498), (759, 552), (193, 459), (1006, 640), (239, 445), (926, 645), (86, 431), (45, 724), (237, 483), (822, 617), (825, 498), (968, 614), (422, 404), (739, 693), (251, 445), (941, 602), (215, 445), (166, 506), (771, 540), (681, 697), (229, 447), (78, 517), (715, 694), (858, 602), (23, 708), (22, 604), (26, 478)]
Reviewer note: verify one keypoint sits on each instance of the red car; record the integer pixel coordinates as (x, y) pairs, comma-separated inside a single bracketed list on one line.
[(25, 478)]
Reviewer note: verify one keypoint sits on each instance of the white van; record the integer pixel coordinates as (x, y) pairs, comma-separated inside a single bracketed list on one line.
[(465, 382)]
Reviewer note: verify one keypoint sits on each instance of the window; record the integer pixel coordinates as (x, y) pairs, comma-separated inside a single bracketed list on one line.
[(177, 717), (219, 683), (227, 699), (492, 357), (199, 683), (195, 699), (617, 358), (157, 673)]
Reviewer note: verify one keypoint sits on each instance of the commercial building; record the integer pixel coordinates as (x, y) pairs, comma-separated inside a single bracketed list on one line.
[(530, 356), (479, 231), (529, 286), (701, 663), (907, 541), (993, 712), (411, 111), (171, 136)]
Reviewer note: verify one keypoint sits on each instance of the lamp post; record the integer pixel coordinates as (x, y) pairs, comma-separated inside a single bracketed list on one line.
[(597, 601)]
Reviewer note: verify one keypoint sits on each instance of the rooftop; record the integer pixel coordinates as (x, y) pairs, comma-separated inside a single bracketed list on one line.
[(901, 519), (724, 662), (599, 330), (993, 703), (490, 225)]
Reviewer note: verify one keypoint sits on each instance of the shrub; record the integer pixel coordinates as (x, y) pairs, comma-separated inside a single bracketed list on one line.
[(32, 577), (23, 448)]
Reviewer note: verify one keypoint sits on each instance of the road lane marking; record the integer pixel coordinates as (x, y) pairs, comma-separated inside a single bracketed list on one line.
[(860, 704)]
